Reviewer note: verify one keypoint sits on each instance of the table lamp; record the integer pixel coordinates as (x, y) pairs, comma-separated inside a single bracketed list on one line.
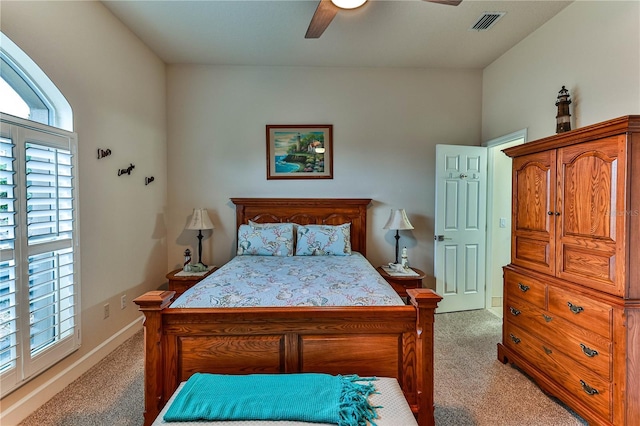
[(199, 221), (398, 221)]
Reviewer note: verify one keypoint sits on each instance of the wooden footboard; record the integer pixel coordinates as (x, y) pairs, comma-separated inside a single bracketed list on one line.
[(393, 341)]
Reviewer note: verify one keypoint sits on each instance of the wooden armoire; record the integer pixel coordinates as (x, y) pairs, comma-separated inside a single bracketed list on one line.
[(572, 289)]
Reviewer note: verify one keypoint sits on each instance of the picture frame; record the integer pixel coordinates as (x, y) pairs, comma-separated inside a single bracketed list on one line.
[(302, 151)]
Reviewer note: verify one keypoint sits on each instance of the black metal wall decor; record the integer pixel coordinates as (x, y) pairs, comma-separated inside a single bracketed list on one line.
[(126, 171), (148, 180), (103, 153)]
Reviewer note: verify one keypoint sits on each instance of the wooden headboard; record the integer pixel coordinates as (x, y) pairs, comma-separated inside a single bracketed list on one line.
[(305, 211)]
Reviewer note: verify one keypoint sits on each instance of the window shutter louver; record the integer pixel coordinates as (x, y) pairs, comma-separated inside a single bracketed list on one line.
[(49, 194), (8, 313)]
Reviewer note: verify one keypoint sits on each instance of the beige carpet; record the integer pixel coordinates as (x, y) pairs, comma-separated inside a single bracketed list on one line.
[(472, 386), (109, 394)]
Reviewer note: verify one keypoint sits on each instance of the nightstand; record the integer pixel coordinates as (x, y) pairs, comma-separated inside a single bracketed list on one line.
[(400, 283), (180, 284)]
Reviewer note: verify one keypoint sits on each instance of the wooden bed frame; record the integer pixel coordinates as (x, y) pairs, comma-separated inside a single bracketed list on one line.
[(384, 341)]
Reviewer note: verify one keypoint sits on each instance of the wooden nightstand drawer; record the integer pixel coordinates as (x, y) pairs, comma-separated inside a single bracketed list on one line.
[(402, 283), (180, 287), (182, 283)]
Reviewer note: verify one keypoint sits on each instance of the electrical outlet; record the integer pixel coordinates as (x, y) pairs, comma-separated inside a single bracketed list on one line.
[(106, 310), (123, 301)]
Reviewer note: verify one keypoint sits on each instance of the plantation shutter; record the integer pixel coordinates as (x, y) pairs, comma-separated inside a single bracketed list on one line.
[(39, 287), (8, 315), (49, 237)]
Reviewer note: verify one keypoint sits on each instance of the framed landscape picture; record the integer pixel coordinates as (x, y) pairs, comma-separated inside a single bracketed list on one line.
[(300, 151)]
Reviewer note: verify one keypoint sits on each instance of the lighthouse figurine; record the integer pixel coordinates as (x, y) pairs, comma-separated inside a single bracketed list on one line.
[(187, 261), (405, 259), (563, 118)]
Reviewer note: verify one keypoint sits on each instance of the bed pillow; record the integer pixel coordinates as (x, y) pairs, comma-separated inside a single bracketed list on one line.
[(274, 240), (322, 240), (264, 225)]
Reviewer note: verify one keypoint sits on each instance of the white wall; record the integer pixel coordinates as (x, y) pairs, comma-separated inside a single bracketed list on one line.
[(116, 87), (591, 47), (386, 124)]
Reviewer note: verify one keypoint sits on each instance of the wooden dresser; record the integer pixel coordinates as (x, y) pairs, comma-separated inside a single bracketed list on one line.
[(572, 289)]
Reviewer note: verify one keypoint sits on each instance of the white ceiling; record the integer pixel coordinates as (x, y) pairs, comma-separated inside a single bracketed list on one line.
[(382, 33)]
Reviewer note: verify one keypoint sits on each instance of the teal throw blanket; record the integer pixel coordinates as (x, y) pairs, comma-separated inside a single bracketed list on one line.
[(307, 397)]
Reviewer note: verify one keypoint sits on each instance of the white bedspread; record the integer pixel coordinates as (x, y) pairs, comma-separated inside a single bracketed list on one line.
[(291, 281)]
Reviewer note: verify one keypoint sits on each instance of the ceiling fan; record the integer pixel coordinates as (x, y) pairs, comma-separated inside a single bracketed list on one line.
[(327, 10)]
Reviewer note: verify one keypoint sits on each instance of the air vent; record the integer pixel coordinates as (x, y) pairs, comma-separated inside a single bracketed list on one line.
[(486, 21)]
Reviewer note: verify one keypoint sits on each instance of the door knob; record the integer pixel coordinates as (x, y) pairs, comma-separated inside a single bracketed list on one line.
[(441, 238)]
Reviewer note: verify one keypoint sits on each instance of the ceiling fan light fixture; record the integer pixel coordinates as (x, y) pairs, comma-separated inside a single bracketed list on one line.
[(348, 4)]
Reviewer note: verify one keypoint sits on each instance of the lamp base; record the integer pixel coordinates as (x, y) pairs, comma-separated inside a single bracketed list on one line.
[(200, 236), (397, 237)]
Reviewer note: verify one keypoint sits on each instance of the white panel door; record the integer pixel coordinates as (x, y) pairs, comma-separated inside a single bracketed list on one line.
[(460, 227)]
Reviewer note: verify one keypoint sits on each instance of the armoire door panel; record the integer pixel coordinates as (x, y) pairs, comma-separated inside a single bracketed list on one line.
[(533, 253), (592, 264), (588, 226), (533, 231), (588, 196)]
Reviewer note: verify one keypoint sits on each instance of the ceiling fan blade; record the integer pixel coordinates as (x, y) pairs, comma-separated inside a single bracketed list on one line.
[(324, 14), (449, 2)]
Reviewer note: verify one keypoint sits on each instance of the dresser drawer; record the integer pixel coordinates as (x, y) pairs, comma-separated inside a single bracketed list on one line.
[(581, 310), (525, 288), (583, 346), (591, 389)]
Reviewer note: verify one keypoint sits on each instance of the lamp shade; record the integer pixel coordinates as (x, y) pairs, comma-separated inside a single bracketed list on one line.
[(200, 220), (398, 220)]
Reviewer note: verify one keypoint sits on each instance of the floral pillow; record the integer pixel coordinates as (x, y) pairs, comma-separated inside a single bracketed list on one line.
[(323, 240), (264, 225), (276, 240)]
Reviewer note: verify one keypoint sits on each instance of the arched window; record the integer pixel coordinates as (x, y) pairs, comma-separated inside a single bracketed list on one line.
[(39, 265), (22, 76), (11, 102)]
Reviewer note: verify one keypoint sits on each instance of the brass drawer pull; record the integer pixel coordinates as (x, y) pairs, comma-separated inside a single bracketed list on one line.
[(588, 389), (547, 350), (514, 339), (588, 351), (523, 287), (515, 312), (547, 318), (574, 308)]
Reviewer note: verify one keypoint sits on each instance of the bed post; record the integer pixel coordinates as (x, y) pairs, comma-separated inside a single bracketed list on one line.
[(425, 301), (151, 303)]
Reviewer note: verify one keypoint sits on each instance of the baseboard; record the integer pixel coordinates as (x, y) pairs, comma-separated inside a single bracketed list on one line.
[(496, 311), (20, 410)]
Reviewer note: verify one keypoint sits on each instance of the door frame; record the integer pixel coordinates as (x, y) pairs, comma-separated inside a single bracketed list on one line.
[(493, 146)]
